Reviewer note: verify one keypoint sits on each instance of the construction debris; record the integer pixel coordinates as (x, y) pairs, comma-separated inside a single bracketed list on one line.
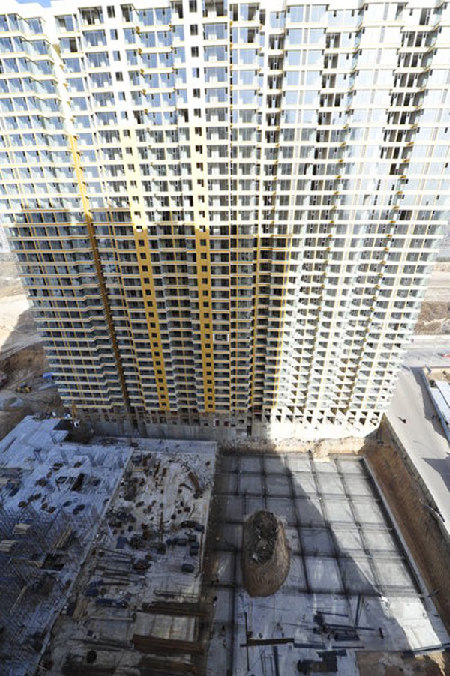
[(140, 585), (44, 534)]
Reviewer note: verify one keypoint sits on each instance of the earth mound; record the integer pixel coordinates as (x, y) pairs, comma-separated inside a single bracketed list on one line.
[(265, 556)]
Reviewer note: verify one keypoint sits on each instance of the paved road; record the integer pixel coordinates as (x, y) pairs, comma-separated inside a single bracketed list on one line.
[(427, 351), (421, 435), (438, 288)]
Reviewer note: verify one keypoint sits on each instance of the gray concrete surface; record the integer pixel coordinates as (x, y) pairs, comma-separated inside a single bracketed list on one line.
[(428, 351), (346, 563)]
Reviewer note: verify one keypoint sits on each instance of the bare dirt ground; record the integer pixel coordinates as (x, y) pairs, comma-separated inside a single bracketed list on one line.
[(21, 354), (434, 316), (417, 522), (434, 319), (9, 277), (438, 289), (394, 664), (17, 327), (26, 365)]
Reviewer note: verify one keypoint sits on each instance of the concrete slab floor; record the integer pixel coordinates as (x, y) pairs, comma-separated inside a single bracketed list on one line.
[(278, 485), (323, 574), (250, 483), (249, 464), (253, 503), (357, 485), (283, 507), (309, 511), (53, 494), (330, 484), (348, 539), (230, 480), (338, 510), (317, 541), (349, 586), (298, 463), (367, 511), (140, 584), (379, 540), (304, 483)]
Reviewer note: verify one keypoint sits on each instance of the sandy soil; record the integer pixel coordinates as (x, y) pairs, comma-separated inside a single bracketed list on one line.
[(434, 318), (10, 284), (26, 366), (394, 664), (21, 354), (17, 327)]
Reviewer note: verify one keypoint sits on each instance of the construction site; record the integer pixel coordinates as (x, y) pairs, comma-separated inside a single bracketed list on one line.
[(129, 557), (352, 587), (107, 539), (52, 496), (137, 556)]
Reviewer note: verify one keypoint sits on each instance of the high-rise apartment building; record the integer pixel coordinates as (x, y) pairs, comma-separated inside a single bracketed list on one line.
[(225, 213)]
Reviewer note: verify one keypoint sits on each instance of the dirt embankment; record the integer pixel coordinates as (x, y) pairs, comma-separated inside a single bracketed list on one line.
[(17, 326), (21, 354), (10, 284), (418, 522), (434, 318), (26, 366)]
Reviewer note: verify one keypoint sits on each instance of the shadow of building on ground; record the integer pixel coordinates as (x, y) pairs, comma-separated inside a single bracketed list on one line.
[(350, 587)]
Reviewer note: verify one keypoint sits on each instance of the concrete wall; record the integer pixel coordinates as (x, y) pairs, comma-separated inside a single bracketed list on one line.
[(125, 428), (263, 437)]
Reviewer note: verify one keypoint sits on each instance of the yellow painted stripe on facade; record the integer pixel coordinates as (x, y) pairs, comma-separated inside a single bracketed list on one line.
[(151, 315), (187, 379), (98, 266), (140, 234), (203, 268), (198, 155)]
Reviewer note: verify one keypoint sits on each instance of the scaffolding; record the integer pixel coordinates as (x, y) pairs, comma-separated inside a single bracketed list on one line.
[(34, 548)]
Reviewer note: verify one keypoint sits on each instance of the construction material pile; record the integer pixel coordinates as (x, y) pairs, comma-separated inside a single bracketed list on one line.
[(265, 554)]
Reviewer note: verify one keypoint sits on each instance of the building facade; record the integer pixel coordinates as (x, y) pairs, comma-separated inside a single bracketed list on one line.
[(225, 213)]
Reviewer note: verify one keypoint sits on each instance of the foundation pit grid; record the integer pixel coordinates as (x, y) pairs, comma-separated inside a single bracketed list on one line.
[(347, 561)]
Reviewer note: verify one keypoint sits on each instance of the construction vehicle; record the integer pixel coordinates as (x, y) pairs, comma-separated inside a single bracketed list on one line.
[(23, 388)]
